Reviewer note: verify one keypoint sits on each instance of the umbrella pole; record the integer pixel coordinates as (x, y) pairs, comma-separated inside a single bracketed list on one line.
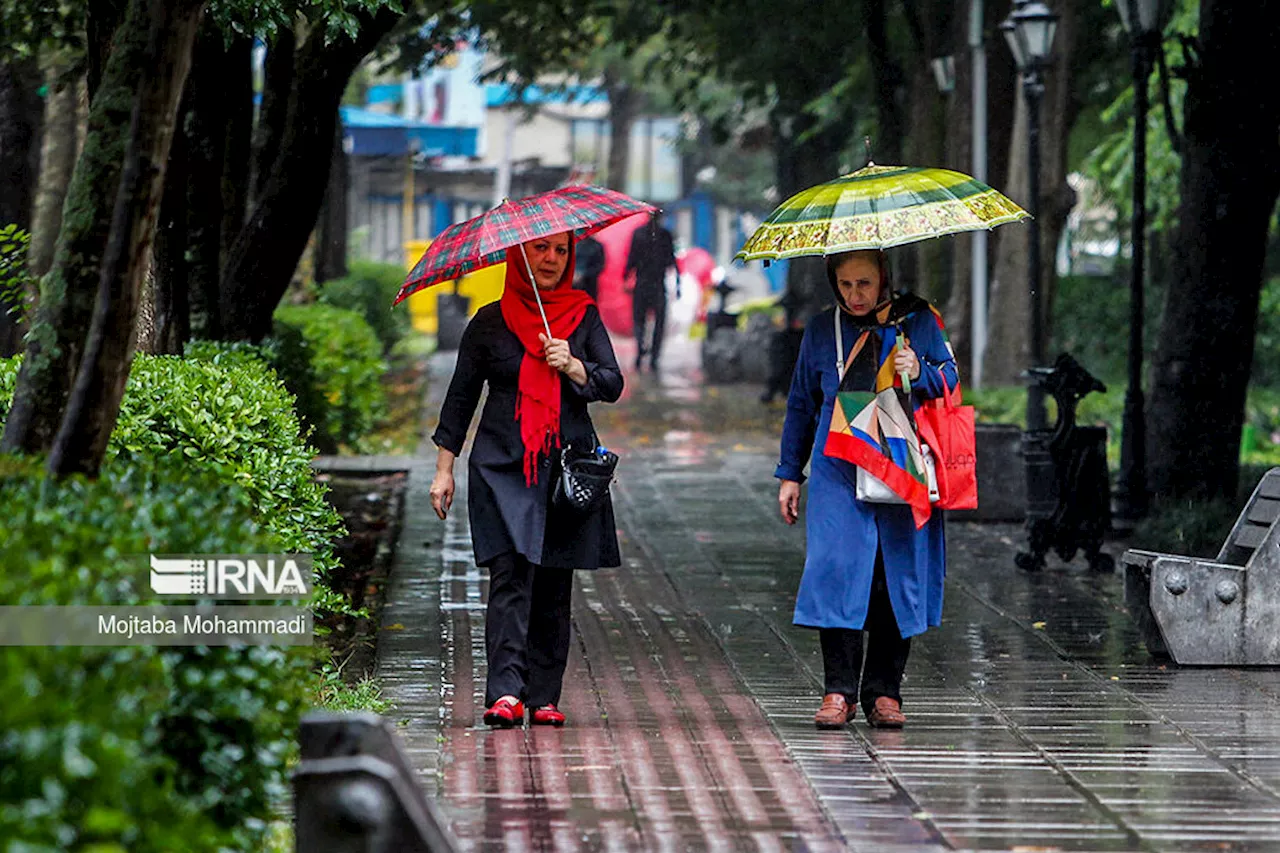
[(533, 281)]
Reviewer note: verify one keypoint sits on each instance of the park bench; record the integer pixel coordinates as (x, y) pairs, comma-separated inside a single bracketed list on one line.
[(1215, 612), (354, 790)]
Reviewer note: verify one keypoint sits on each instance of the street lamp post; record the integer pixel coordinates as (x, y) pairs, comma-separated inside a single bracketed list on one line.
[(1144, 20), (1029, 30)]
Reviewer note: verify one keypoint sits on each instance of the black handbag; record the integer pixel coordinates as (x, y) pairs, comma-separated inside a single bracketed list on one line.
[(586, 471)]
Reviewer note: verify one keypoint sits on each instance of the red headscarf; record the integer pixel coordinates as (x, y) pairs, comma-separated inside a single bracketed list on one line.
[(538, 391)]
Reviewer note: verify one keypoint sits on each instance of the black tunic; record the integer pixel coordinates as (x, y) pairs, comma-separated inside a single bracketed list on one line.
[(506, 515)]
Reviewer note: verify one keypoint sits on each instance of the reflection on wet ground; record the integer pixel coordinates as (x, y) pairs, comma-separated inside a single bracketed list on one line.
[(1037, 720)]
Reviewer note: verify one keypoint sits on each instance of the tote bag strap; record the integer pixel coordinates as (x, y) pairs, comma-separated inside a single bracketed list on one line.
[(842, 364)]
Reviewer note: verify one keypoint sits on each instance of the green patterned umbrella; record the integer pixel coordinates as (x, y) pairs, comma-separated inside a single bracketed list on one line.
[(875, 208)]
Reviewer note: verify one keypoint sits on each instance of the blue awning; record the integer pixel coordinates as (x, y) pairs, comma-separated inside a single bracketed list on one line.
[(374, 134), (501, 94)]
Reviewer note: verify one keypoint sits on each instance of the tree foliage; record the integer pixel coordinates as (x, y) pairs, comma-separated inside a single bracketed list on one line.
[(28, 25), (1110, 161)]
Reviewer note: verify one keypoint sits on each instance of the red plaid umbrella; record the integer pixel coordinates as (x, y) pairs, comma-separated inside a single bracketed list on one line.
[(483, 241)]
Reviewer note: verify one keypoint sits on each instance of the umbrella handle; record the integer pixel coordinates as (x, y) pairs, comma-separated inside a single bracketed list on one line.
[(533, 281), (906, 379)]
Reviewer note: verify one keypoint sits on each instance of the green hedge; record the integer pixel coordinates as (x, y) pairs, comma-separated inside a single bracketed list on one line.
[(332, 362), (369, 288), (135, 748), (234, 419)]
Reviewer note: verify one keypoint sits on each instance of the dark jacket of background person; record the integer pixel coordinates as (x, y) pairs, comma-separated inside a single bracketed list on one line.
[(652, 253), (589, 262), (506, 515)]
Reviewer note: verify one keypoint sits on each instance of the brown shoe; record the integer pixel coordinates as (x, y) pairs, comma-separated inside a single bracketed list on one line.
[(886, 714), (834, 713)]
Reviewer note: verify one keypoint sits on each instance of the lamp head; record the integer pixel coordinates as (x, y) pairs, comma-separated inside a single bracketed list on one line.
[(1029, 30)]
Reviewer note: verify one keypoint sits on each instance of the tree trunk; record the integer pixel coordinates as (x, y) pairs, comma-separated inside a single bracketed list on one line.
[(926, 265), (104, 17), (802, 164), (57, 160), (146, 335), (268, 248), (1061, 108), (1200, 372), (1009, 341), (21, 114), (1001, 97), (888, 83), (69, 290), (237, 150), (172, 314), (203, 128), (623, 105), (331, 242), (273, 113), (166, 31)]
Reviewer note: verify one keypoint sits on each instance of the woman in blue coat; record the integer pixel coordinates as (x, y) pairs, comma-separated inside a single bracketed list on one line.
[(868, 568)]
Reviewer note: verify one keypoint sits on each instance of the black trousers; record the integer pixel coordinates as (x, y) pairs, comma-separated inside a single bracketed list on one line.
[(526, 630), (642, 305), (886, 651)]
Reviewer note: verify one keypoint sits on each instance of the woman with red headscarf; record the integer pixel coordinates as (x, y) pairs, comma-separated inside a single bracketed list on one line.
[(539, 388)]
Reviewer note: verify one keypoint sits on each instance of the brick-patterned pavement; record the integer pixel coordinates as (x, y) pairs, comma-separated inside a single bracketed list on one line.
[(1036, 719)]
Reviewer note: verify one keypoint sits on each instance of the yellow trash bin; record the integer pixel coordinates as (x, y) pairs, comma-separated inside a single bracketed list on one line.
[(483, 286)]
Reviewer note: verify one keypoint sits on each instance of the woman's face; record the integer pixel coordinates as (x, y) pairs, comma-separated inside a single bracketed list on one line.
[(548, 257), (858, 279)]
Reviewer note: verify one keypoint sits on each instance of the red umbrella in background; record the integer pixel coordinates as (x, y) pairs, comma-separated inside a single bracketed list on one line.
[(611, 295)]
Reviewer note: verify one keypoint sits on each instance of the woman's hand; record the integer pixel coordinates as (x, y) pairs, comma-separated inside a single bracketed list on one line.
[(442, 493), (556, 352), (442, 486), (789, 501), (906, 361)]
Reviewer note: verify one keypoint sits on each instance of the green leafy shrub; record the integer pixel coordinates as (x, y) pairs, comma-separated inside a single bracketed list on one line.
[(1266, 346), (233, 419), (369, 289), (233, 352), (14, 277), (332, 362), (138, 748)]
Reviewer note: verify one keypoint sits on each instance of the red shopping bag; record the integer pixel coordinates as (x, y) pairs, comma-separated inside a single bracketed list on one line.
[(948, 428)]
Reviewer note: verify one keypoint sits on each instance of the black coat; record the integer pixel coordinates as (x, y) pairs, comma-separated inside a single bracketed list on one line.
[(506, 515), (652, 253)]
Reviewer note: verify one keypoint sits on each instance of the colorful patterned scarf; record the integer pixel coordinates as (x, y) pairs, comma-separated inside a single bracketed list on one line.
[(872, 423)]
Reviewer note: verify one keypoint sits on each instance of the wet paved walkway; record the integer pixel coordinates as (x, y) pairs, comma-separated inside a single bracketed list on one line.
[(1036, 719)]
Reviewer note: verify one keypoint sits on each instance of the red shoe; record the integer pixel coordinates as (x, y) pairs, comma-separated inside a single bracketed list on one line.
[(547, 715), (505, 714)]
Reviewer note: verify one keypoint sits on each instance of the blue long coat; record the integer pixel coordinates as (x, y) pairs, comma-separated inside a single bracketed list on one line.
[(842, 532)]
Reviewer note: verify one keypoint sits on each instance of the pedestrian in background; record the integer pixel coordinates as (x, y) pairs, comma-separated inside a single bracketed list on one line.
[(588, 264), (868, 569), (651, 254), (539, 388)]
